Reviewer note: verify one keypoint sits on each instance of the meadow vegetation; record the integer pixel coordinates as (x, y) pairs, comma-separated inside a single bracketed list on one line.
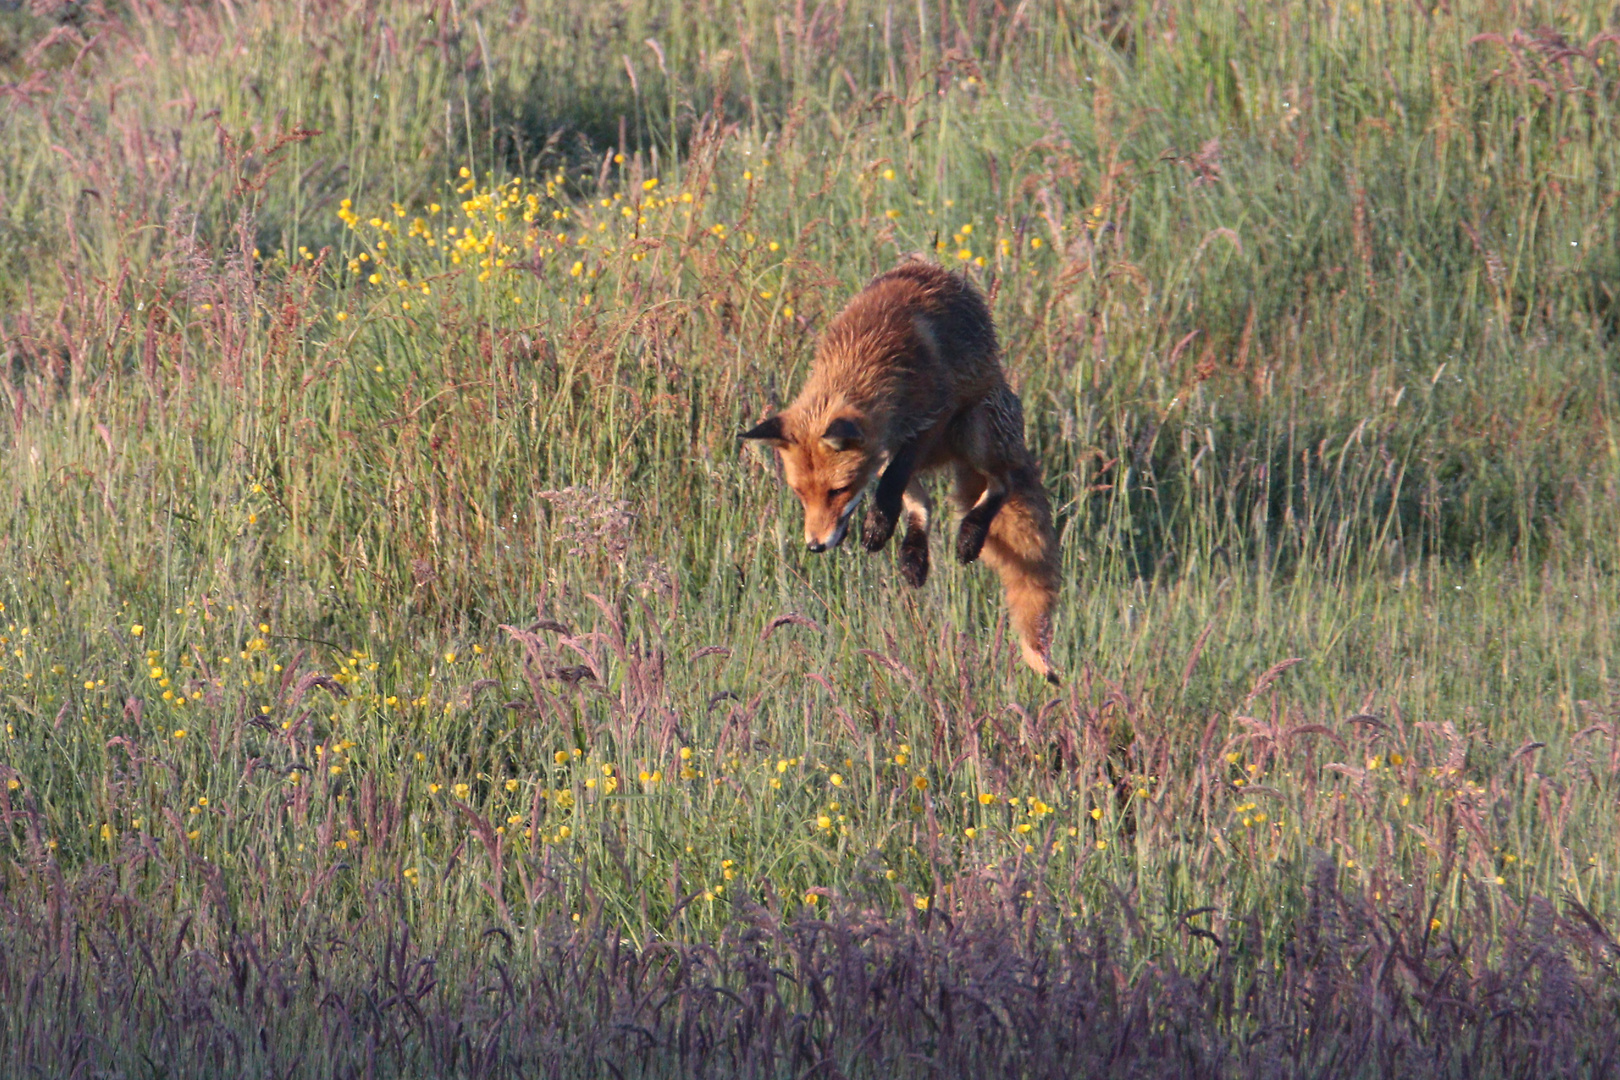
[(407, 672)]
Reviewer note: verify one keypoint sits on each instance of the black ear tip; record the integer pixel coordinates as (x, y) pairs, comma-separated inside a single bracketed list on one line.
[(1052, 678), (768, 429)]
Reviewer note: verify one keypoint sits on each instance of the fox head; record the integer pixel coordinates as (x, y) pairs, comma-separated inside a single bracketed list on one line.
[(827, 469)]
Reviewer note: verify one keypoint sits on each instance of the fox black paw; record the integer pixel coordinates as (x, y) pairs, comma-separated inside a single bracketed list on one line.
[(914, 558), (970, 541), (876, 529)]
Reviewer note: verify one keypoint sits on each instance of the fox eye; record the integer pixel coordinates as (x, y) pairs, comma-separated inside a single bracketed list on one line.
[(837, 491)]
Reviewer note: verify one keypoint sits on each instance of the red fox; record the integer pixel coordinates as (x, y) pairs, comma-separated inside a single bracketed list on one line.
[(907, 379)]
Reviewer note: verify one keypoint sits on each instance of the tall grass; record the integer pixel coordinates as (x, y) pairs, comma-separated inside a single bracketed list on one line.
[(371, 642)]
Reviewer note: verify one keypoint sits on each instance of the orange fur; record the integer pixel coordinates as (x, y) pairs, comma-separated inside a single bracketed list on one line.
[(908, 379)]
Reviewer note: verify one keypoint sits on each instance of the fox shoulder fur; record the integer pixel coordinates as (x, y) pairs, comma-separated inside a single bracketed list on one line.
[(908, 379)]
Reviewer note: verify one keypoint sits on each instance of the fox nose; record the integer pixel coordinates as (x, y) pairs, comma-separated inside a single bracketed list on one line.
[(816, 546)]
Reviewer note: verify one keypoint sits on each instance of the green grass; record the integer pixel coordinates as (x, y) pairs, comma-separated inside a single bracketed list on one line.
[(1312, 312)]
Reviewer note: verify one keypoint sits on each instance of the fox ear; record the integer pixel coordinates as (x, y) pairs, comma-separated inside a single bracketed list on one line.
[(767, 430), (842, 434)]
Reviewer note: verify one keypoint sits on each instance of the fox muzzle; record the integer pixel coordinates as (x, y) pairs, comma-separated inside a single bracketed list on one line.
[(816, 546)]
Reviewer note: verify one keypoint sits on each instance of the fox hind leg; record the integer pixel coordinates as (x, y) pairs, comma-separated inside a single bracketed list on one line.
[(1023, 550), (975, 528), (914, 545), (1008, 522), (983, 478)]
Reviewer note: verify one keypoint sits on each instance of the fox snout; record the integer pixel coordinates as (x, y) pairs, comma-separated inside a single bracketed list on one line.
[(823, 539)]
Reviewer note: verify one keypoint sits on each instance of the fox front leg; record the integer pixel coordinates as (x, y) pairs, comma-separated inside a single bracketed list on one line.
[(914, 545), (884, 512)]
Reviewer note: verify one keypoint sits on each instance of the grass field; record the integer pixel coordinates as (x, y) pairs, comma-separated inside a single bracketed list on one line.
[(406, 671)]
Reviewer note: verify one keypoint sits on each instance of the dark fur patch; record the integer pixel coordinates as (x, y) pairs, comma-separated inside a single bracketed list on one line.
[(970, 540), (976, 527), (769, 430), (914, 557), (843, 434), (877, 528)]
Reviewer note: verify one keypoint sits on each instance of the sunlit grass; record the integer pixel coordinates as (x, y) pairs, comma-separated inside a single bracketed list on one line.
[(380, 552)]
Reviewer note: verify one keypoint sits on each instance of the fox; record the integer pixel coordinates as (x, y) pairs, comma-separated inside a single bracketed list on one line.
[(906, 380)]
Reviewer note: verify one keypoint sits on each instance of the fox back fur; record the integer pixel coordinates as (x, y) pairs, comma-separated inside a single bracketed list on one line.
[(908, 379)]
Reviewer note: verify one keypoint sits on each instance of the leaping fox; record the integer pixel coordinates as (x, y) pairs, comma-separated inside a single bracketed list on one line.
[(907, 379)]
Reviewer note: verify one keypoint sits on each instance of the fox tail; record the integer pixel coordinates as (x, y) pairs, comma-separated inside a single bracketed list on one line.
[(1022, 548)]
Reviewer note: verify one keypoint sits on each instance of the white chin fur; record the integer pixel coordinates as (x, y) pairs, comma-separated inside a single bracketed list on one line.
[(842, 528)]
